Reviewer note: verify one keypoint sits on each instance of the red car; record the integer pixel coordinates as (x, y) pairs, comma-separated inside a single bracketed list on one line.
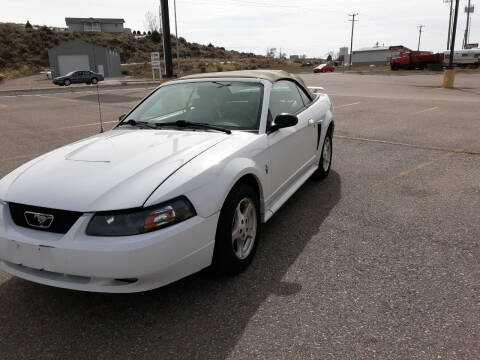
[(324, 68)]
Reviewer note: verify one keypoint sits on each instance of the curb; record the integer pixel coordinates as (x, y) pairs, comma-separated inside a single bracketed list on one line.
[(63, 89)]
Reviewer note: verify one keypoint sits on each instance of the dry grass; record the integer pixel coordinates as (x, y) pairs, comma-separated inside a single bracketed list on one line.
[(21, 71)]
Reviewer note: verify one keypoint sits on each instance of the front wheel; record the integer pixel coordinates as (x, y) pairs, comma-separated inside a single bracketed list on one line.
[(237, 231), (67, 82), (325, 159)]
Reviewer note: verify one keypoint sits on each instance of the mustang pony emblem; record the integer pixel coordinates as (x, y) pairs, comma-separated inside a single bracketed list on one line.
[(38, 220)]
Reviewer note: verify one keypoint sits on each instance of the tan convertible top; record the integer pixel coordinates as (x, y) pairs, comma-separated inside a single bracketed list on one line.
[(270, 75)]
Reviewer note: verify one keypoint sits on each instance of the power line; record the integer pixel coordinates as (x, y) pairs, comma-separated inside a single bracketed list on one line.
[(351, 38), (420, 27)]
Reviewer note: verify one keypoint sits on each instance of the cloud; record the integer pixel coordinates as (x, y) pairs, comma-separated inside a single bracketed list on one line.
[(299, 27)]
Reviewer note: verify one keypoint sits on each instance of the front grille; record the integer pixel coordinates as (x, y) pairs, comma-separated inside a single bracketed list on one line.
[(62, 221)]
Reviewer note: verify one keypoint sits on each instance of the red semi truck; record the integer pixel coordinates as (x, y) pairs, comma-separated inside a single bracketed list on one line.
[(415, 60)]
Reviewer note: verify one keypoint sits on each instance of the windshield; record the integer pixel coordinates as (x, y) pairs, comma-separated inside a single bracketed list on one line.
[(70, 73), (234, 105)]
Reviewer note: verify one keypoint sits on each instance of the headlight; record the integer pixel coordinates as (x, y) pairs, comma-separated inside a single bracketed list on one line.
[(133, 222)]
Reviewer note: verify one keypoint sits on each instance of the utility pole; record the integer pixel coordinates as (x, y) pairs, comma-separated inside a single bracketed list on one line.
[(351, 39), (420, 27), (449, 77), (468, 9), (176, 35), (449, 22), (167, 45)]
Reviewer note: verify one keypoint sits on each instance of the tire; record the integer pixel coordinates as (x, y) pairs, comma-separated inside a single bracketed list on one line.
[(94, 81), (238, 231), (325, 159), (66, 82), (395, 67)]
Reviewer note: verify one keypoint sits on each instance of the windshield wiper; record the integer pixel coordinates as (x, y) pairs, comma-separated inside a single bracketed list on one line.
[(189, 124), (141, 124)]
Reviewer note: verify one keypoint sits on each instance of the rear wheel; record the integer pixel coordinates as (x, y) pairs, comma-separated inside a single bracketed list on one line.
[(237, 230), (325, 159), (94, 81)]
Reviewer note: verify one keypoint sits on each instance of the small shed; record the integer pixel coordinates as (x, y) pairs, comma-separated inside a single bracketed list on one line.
[(80, 55)]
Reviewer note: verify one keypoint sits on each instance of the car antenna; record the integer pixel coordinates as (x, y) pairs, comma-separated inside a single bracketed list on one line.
[(98, 93)]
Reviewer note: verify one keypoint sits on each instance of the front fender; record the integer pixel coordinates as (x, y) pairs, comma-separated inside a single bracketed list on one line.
[(207, 180)]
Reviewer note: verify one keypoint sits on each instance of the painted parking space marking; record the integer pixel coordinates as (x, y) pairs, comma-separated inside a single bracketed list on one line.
[(412, 170), (427, 110), (346, 105), (390, 142), (4, 276), (60, 128)]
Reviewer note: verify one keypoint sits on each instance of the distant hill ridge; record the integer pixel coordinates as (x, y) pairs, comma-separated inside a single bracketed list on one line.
[(28, 48)]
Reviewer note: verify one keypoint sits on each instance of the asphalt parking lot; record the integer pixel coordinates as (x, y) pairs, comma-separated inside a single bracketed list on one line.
[(379, 261)]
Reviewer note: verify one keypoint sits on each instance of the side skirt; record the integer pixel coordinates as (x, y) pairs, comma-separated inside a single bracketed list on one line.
[(288, 193)]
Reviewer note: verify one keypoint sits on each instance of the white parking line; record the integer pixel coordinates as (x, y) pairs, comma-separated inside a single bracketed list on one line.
[(346, 105), (427, 110)]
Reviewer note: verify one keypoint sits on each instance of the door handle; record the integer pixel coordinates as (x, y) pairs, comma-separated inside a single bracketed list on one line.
[(311, 122)]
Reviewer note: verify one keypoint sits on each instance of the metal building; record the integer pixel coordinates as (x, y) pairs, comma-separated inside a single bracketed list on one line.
[(80, 55), (376, 55)]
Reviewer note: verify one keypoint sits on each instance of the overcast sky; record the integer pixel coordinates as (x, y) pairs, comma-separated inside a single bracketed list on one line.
[(311, 27)]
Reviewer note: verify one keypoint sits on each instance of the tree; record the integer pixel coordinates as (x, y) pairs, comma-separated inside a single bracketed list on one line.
[(331, 54), (155, 36), (152, 22), (149, 32), (271, 52), (28, 25), (134, 32), (144, 33)]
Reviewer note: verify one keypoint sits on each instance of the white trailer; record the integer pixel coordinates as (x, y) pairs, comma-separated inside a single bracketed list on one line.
[(463, 57)]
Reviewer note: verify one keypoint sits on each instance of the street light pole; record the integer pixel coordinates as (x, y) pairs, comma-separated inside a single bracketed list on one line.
[(176, 35), (351, 38), (450, 24)]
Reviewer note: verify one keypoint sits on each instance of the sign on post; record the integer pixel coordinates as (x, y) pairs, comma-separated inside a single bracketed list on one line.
[(155, 60)]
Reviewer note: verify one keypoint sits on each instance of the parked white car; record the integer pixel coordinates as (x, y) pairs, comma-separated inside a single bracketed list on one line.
[(184, 181)]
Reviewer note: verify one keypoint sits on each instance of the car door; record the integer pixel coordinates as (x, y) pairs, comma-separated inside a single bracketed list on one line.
[(292, 149), (77, 77)]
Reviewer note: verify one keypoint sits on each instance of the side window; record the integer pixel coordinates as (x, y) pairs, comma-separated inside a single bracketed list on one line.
[(285, 98), (305, 98)]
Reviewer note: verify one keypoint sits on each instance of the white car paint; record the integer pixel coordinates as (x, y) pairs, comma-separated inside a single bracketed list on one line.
[(123, 169)]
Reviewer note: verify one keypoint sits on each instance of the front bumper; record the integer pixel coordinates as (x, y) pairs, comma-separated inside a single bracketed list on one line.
[(106, 264)]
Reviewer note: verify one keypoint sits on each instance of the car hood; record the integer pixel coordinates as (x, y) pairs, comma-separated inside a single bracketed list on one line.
[(118, 169)]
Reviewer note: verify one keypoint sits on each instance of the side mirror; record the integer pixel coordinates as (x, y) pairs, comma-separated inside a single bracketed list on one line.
[(284, 121), (121, 117)]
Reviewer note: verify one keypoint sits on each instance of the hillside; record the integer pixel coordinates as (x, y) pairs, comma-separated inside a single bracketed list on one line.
[(24, 51)]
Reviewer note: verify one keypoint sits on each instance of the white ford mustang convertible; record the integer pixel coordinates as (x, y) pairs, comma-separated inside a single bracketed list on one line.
[(183, 182)]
